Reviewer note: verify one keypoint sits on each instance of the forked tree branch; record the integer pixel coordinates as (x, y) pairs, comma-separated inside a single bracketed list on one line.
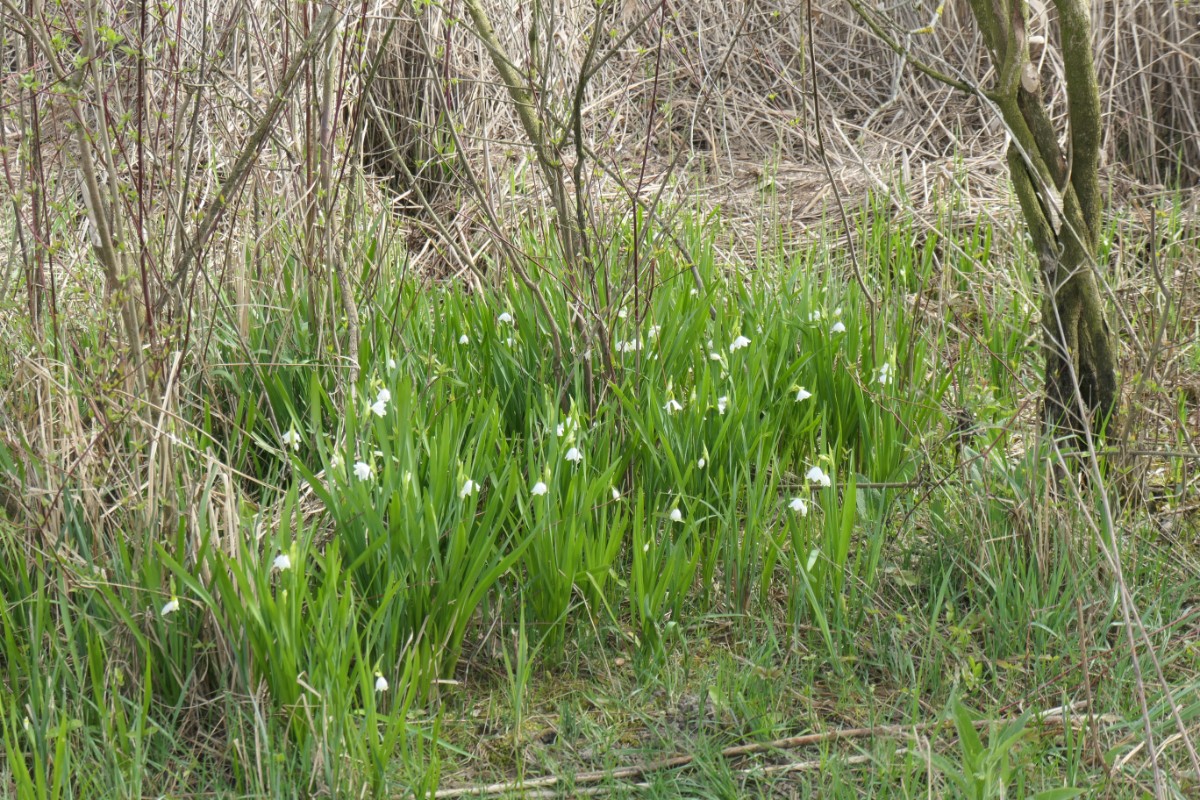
[(321, 28), (907, 55)]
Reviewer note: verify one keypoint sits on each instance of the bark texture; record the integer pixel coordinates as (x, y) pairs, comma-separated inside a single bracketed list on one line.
[(1061, 201)]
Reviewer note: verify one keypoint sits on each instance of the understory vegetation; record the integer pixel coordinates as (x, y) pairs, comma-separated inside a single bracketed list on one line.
[(621, 399), (787, 510)]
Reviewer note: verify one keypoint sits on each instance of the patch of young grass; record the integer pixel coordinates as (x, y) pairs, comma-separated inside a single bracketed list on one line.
[(472, 564)]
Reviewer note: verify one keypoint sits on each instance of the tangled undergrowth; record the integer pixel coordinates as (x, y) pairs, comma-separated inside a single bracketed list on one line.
[(778, 508)]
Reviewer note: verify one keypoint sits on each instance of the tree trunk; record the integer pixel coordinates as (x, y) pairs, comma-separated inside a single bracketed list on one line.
[(1061, 202), (1078, 352)]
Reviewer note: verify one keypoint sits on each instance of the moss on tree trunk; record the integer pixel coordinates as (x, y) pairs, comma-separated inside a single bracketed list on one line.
[(1078, 352), (1061, 202)]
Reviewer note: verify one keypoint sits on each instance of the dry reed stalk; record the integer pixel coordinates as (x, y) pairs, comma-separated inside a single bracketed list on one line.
[(732, 105), (1056, 718), (760, 109)]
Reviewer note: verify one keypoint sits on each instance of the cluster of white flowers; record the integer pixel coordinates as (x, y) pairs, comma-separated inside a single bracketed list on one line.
[(817, 475), (884, 376), (816, 315), (738, 344), (291, 439), (379, 407), (282, 562), (365, 471)]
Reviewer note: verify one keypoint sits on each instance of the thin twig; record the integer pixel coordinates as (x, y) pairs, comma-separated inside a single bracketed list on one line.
[(237, 174), (907, 55), (837, 194), (1054, 716)]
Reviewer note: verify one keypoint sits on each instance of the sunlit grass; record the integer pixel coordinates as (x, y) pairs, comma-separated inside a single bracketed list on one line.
[(766, 506)]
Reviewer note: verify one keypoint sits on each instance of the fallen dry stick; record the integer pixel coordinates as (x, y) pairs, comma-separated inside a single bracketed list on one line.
[(1050, 717)]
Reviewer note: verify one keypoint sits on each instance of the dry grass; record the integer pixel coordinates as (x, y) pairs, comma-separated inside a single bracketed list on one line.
[(709, 105), (398, 126), (399, 82)]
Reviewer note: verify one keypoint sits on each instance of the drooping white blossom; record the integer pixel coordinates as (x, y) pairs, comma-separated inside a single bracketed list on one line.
[(884, 376), (738, 344), (817, 475)]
